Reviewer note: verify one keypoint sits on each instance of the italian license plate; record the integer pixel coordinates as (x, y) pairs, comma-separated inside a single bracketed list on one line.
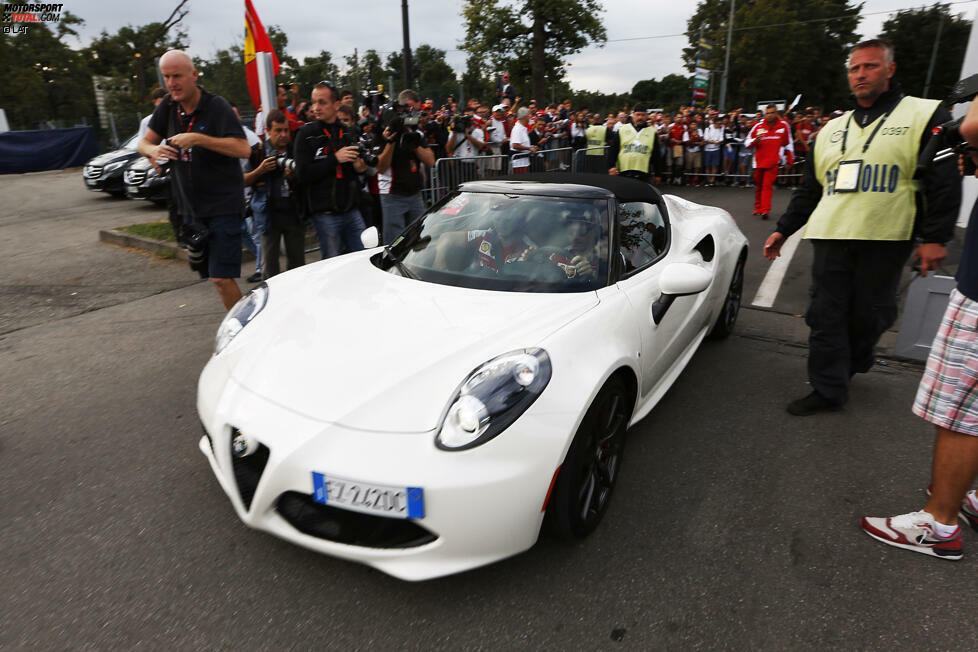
[(379, 500)]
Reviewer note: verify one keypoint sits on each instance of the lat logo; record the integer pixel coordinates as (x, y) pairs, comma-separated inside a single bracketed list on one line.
[(322, 152)]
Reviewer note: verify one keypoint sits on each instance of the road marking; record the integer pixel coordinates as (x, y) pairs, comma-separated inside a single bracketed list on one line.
[(768, 291)]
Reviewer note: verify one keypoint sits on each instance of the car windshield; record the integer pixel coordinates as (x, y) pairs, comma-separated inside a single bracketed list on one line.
[(132, 143), (509, 242)]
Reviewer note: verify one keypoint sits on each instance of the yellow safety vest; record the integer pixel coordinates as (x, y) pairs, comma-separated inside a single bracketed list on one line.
[(881, 205), (636, 148), (595, 135)]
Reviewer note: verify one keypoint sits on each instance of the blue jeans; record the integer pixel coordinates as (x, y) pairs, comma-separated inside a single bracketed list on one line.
[(399, 211), (338, 233), (255, 227)]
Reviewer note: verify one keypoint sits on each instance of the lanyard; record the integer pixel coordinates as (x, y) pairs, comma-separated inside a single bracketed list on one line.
[(845, 134), (193, 117)]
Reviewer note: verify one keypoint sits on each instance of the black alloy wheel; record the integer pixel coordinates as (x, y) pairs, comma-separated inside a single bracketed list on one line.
[(731, 304), (588, 475)]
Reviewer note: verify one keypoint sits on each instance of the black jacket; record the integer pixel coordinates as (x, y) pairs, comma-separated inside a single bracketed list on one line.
[(325, 186)]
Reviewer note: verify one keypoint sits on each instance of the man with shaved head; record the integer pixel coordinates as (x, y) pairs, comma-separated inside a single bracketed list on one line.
[(199, 135)]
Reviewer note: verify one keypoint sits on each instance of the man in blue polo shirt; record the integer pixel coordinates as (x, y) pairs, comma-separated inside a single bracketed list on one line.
[(198, 133)]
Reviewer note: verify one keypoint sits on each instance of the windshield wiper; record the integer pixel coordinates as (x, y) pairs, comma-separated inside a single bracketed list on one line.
[(401, 267)]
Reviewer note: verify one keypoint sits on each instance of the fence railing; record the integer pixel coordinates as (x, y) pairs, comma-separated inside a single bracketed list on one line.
[(450, 172), (545, 160), (592, 160)]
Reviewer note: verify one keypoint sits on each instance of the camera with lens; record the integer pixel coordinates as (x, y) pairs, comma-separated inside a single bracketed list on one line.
[(946, 139), (283, 162), (398, 118), (460, 123), (366, 153), (194, 236)]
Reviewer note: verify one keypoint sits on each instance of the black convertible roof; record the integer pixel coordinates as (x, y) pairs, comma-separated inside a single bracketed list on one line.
[(566, 184)]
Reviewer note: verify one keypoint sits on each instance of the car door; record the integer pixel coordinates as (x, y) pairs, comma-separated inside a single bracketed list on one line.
[(643, 243)]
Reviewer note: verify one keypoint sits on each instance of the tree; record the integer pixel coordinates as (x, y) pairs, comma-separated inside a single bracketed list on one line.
[(766, 58), (531, 36), (913, 33), (43, 79)]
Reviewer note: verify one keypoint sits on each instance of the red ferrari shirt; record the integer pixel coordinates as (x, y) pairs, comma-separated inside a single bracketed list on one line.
[(767, 141)]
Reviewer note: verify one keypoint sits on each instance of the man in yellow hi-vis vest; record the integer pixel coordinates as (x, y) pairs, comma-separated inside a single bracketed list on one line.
[(632, 151), (862, 211)]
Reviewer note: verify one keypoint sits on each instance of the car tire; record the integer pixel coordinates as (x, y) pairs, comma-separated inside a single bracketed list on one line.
[(731, 303), (588, 475)]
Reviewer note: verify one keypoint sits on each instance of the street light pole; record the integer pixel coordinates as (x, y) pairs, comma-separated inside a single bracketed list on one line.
[(407, 44), (933, 54), (726, 60)]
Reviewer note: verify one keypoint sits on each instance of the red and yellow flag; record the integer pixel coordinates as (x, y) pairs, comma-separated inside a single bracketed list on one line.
[(256, 40)]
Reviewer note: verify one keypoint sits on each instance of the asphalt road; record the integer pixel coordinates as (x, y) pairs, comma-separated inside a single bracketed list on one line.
[(733, 526)]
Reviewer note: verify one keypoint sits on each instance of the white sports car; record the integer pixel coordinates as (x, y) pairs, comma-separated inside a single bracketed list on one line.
[(426, 407)]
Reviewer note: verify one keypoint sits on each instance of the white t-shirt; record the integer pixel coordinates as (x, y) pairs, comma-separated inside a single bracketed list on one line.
[(498, 133), (464, 149), (692, 149), (520, 136), (144, 126), (712, 133)]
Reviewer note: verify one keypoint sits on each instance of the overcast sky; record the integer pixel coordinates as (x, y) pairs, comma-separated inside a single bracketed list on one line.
[(320, 25)]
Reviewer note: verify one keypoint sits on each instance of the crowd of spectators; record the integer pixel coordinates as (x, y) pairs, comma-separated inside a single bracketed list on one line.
[(694, 145)]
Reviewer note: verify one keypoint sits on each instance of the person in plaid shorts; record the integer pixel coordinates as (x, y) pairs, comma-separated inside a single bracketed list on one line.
[(948, 398)]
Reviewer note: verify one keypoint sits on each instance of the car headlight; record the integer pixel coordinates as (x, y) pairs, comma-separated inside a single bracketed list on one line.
[(240, 315), (492, 397)]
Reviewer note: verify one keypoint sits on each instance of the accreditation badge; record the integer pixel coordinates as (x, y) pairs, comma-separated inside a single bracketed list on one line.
[(847, 176)]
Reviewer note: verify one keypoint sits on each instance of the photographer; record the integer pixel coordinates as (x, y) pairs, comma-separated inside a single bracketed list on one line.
[(272, 198), (327, 161), (465, 142), (399, 170), (203, 142)]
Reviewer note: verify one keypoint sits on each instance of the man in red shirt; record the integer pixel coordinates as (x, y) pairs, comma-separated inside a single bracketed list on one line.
[(767, 138)]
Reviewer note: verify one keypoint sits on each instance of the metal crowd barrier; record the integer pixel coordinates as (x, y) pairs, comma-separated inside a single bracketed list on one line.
[(450, 172), (591, 159), (546, 160)]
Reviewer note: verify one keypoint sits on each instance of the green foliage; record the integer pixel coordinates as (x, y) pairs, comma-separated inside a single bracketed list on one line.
[(224, 74), (669, 93), (913, 33), (44, 79), (770, 59), (529, 39)]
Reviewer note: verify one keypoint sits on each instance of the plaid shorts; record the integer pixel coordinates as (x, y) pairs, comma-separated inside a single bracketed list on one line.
[(948, 392)]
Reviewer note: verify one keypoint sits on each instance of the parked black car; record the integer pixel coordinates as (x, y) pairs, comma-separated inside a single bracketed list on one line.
[(104, 172), (142, 181)]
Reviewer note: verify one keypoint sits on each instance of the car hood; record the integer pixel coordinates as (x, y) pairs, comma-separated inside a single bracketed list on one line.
[(113, 156), (344, 342)]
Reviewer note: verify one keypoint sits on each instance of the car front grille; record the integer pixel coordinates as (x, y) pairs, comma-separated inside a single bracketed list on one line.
[(248, 470), (135, 177), (92, 171), (351, 528)]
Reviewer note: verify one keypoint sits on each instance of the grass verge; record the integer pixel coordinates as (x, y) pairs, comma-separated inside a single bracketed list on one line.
[(160, 230)]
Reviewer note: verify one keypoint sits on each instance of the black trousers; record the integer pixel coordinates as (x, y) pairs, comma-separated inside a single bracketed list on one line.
[(854, 292), (294, 235)]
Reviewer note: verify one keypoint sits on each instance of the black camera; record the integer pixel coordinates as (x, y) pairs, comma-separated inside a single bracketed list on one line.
[(946, 140), (194, 236), (366, 154), (398, 118), (460, 123)]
